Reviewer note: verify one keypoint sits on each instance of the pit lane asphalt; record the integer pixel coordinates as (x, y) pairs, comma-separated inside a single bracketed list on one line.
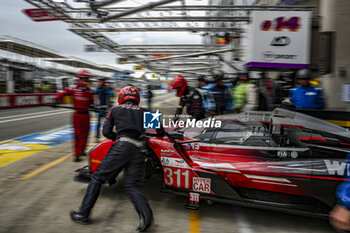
[(41, 203), (22, 121)]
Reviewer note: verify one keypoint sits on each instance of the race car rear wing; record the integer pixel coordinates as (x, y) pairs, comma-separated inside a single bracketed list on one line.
[(282, 116)]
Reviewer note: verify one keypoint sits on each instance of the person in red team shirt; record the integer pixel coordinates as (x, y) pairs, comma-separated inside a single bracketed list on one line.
[(82, 100)]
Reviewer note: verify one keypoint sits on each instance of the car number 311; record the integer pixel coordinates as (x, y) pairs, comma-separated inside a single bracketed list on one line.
[(177, 177)]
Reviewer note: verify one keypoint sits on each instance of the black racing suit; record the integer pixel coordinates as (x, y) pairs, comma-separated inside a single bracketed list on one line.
[(192, 99), (124, 154)]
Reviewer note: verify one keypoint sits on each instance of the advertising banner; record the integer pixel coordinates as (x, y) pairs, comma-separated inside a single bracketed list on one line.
[(25, 100), (279, 39)]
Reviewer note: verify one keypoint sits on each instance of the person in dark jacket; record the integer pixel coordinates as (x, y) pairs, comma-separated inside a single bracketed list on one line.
[(306, 96), (202, 81), (127, 119), (105, 96), (189, 97), (219, 100)]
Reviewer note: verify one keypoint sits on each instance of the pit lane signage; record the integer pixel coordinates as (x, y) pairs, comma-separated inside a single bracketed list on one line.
[(279, 39)]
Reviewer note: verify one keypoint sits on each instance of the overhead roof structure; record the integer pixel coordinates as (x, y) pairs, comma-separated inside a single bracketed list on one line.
[(80, 63), (26, 48), (94, 19)]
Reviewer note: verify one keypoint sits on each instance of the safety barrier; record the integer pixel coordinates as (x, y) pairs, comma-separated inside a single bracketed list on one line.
[(8, 101)]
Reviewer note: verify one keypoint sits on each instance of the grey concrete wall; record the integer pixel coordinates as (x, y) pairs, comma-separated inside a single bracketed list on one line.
[(335, 16)]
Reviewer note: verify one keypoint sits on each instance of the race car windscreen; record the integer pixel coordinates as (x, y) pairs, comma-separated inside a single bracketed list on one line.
[(192, 132)]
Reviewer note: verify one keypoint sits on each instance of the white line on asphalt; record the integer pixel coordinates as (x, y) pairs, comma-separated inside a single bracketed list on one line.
[(25, 118), (31, 114)]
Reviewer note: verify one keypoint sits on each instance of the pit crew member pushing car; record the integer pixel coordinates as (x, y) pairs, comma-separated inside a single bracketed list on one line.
[(127, 118), (189, 97), (82, 100)]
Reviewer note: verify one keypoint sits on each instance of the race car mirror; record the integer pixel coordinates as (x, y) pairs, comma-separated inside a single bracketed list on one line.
[(176, 135)]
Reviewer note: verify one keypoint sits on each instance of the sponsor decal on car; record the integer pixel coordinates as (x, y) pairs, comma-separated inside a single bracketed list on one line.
[(192, 146), (287, 154), (200, 184), (194, 197), (173, 162), (166, 152), (294, 154), (337, 168), (253, 116), (164, 161)]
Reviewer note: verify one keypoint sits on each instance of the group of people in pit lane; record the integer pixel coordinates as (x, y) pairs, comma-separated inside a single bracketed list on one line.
[(124, 124), (221, 98), (208, 100)]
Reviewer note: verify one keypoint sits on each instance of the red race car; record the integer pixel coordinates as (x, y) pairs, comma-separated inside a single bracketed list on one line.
[(280, 160)]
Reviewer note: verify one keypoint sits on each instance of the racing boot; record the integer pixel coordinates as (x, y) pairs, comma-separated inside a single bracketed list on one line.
[(87, 204), (79, 217), (146, 220)]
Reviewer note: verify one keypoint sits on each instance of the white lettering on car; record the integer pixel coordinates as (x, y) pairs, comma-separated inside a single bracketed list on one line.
[(200, 184), (335, 167)]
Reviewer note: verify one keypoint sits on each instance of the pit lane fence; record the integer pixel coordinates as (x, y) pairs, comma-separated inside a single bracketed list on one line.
[(8, 101)]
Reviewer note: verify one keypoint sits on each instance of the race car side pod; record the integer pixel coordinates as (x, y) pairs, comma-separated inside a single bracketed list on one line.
[(82, 109), (194, 198)]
